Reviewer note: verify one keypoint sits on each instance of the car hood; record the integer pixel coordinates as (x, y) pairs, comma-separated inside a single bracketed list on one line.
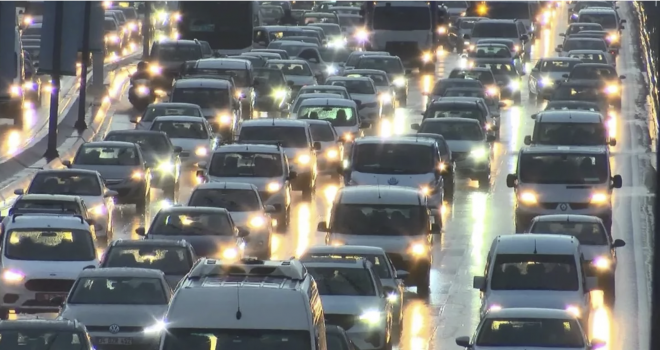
[(464, 146), (207, 246), (389, 244), (591, 252), (190, 145), (110, 171), (300, 80), (259, 182), (351, 305), (537, 299), (364, 98), (48, 269), (122, 315), (415, 181)]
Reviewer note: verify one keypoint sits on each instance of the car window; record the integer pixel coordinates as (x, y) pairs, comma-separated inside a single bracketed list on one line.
[(588, 233), (49, 245), (182, 130), (567, 134), (49, 339), (289, 136), (203, 97), (149, 143), (378, 79), (295, 69), (322, 132), (36, 204), (118, 291), (170, 260), (355, 86), (494, 30), (192, 223), (157, 111), (530, 332), (535, 272), (390, 65), (107, 156), (343, 281), (176, 52), (454, 131), (573, 168), (246, 164), (231, 199), (379, 262), (557, 66), (337, 116)]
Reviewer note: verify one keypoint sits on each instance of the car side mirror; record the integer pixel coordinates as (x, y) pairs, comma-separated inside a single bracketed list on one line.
[(401, 274), (466, 36), (19, 192), (292, 175), (463, 342), (624, 21), (612, 142), (618, 243), (57, 301), (565, 76), (290, 83), (66, 163), (622, 77), (435, 228), (317, 146), (269, 209), (479, 282), (242, 232), (511, 180), (178, 149), (322, 227), (534, 116), (415, 126), (524, 37), (617, 182), (490, 138), (110, 193), (365, 125), (591, 284), (528, 140), (562, 34), (140, 231)]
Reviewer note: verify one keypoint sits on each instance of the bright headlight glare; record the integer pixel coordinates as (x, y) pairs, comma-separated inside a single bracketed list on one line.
[(201, 151), (516, 48), (613, 37), (399, 81), (12, 276), (230, 253), (273, 187), (279, 93), (98, 210), (385, 98), (418, 249), (599, 198), (156, 328), (137, 175), (303, 159), (574, 310), (132, 26), (361, 35), (347, 136), (478, 153), (332, 154), (142, 90), (528, 198), (514, 85), (154, 69), (601, 263), (495, 307), (442, 30), (331, 70), (15, 90), (426, 57), (166, 167), (492, 91), (224, 119), (257, 222), (611, 89), (392, 297), (371, 316), (425, 190), (546, 82)]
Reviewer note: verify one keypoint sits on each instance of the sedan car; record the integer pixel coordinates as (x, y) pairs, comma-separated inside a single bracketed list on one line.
[(122, 166), (119, 306), (297, 72), (547, 73), (164, 109), (193, 134)]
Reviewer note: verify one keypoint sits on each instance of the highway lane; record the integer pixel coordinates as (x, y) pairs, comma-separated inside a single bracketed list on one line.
[(476, 217)]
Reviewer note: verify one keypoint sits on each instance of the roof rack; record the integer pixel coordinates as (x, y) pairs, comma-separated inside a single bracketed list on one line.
[(335, 258), (277, 143), (291, 269), (14, 216), (62, 210)]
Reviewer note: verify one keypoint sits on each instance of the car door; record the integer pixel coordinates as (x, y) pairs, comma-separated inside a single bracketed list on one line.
[(534, 77)]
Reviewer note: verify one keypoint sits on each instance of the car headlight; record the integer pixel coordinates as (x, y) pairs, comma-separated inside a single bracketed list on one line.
[(12, 276), (547, 82), (332, 154), (528, 198), (492, 91), (612, 89), (132, 26), (418, 249), (478, 153), (97, 210), (240, 94), (155, 69), (393, 298), (112, 38), (156, 328), (337, 243), (494, 307), (224, 119), (230, 253), (348, 136), (425, 190), (361, 35), (574, 310), (142, 90), (385, 98), (30, 85), (599, 198), (330, 70), (514, 85), (15, 90), (426, 57), (273, 187), (303, 159), (371, 316), (166, 167), (613, 37), (257, 222), (601, 263), (137, 175), (201, 151), (280, 93), (516, 48), (400, 81), (442, 30)]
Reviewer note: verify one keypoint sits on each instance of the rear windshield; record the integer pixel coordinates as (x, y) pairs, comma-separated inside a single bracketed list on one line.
[(182, 130), (203, 97), (176, 53), (149, 143), (118, 291), (585, 44), (393, 158), (385, 220), (484, 76), (571, 134), (47, 205), (534, 272), (589, 57), (343, 281), (247, 164), (355, 86), (504, 333), (337, 116), (557, 66), (588, 233), (454, 131), (49, 245), (194, 223), (379, 262), (294, 69), (593, 73), (606, 20), (388, 65)]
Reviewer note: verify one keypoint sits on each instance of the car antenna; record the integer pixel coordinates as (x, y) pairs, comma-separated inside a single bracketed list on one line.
[(535, 252), (225, 185), (239, 314), (378, 187)]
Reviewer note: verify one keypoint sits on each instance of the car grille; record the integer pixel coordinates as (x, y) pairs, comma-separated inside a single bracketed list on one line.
[(343, 321), (571, 205), (403, 49), (49, 285), (122, 329), (459, 155)]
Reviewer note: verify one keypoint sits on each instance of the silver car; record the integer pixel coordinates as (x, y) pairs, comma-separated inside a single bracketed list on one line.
[(119, 306), (571, 44), (363, 91), (193, 134), (297, 72), (122, 166), (165, 109), (295, 106), (548, 73), (386, 89)]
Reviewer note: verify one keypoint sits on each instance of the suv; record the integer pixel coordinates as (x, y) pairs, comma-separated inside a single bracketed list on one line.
[(396, 219), (563, 180), (41, 258), (296, 140), (262, 165), (570, 128)]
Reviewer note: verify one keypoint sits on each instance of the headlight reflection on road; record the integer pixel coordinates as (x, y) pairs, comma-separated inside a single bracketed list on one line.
[(416, 331), (13, 142), (515, 116), (427, 83), (478, 200), (600, 319), (304, 223), (329, 193)]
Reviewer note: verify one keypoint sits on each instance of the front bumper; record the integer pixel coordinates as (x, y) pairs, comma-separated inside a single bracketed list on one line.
[(132, 339), (129, 190), (34, 294), (190, 160), (470, 167)]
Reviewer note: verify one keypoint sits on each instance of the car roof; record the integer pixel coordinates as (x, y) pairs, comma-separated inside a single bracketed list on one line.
[(296, 61), (336, 263), (345, 249), (569, 116), (318, 95), (323, 87), (520, 312), (68, 171), (173, 104), (226, 185), (450, 120), (177, 42), (404, 140), (364, 71), (54, 220), (547, 244), (494, 40), (191, 209), (108, 144), (478, 60), (398, 195), (329, 101), (343, 78), (248, 147), (149, 243), (586, 51), (136, 132), (583, 39), (455, 101), (369, 53), (273, 122), (120, 272), (564, 149), (599, 10), (318, 122), (562, 59), (179, 118), (193, 82), (231, 63), (491, 20), (567, 218)]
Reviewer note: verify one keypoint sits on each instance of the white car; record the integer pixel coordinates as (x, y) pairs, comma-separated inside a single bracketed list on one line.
[(193, 134), (165, 109), (386, 89), (341, 113), (363, 91), (262, 165), (86, 184), (41, 259), (529, 328)]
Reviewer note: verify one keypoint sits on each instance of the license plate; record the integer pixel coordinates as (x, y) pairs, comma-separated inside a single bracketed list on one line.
[(114, 341), (50, 296)]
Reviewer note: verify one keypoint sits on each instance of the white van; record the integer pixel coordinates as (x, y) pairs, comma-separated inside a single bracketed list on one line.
[(273, 302), (537, 271), (563, 180)]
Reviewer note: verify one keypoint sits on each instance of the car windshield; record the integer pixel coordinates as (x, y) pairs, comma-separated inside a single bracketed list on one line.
[(349, 21), (170, 260), (576, 28), (389, 65), (606, 20), (107, 156), (323, 89), (589, 57), (467, 24), (275, 12), (441, 86), (455, 111), (491, 51), (393, 158), (193, 223), (334, 55), (182, 130), (566, 105), (401, 18), (205, 98), (159, 111), (584, 44), (500, 69), (343, 281), (241, 76), (593, 73), (454, 131), (271, 77), (109, 25), (379, 262), (51, 245), (330, 29), (382, 220), (294, 69), (571, 134), (231, 199), (355, 86), (534, 272), (378, 79), (464, 93), (322, 132), (35, 205), (494, 30), (302, 97), (564, 168), (24, 339), (118, 291), (587, 233), (235, 339), (455, 4), (149, 143), (576, 93), (558, 66), (484, 76), (246, 164), (337, 116), (72, 184), (289, 136), (530, 333), (176, 53)]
